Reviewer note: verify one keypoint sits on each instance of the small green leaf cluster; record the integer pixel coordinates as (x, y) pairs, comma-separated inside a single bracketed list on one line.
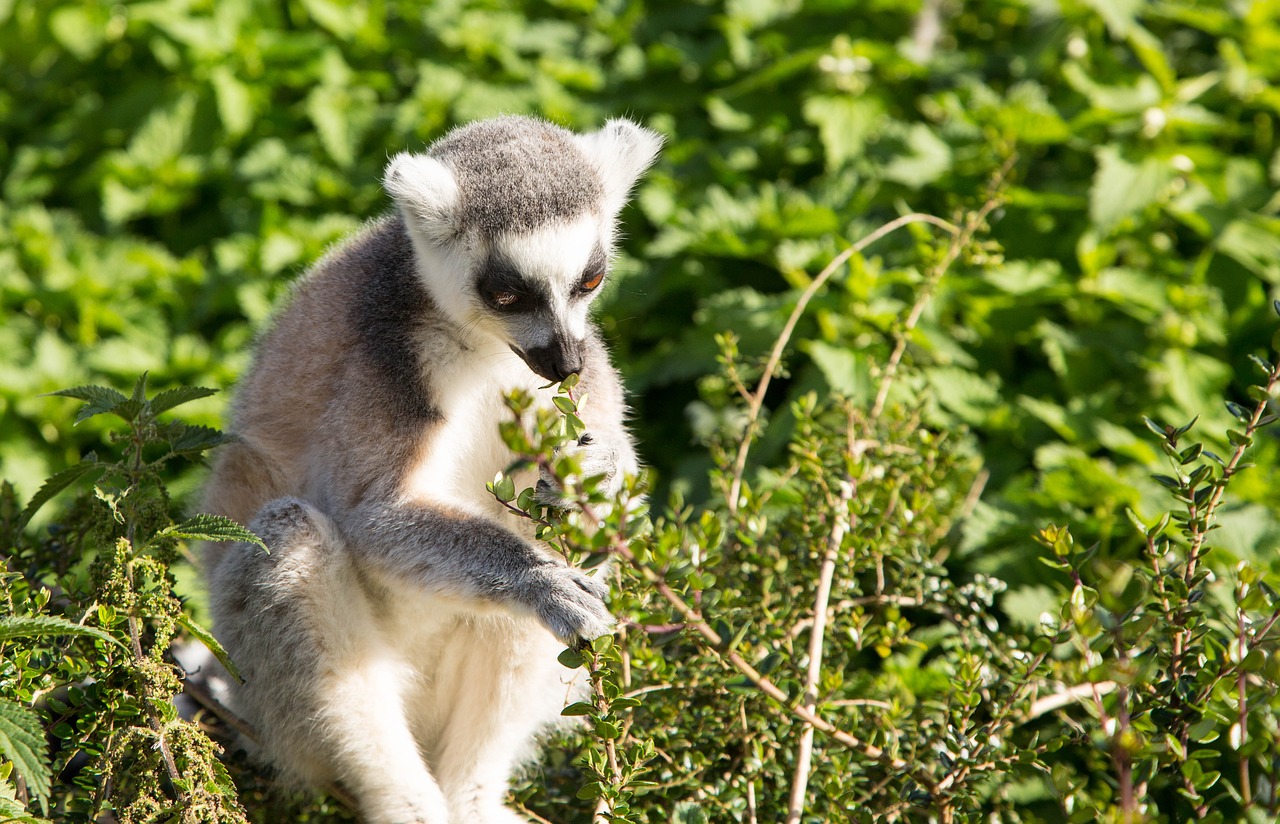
[(589, 526), (612, 768)]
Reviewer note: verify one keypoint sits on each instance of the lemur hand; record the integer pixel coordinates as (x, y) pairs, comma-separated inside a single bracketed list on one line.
[(596, 458), (569, 602)]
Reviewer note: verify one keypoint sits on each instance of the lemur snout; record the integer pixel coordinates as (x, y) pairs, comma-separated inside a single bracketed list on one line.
[(557, 361)]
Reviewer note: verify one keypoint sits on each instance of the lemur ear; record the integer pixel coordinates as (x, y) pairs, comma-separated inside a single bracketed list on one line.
[(620, 151), (425, 191)]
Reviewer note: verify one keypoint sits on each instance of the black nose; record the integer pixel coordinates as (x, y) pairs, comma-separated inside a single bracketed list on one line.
[(557, 361)]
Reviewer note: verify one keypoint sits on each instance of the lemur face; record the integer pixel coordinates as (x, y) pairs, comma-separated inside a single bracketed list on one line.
[(537, 287), (513, 221)]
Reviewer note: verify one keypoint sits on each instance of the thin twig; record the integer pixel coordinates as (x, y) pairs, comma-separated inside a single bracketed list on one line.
[(817, 636), (1246, 792), (860, 702), (775, 356), (202, 696), (959, 240), (1071, 695), (537, 818)]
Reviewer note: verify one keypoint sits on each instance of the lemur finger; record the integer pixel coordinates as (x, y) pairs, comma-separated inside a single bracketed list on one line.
[(595, 586), (549, 495)]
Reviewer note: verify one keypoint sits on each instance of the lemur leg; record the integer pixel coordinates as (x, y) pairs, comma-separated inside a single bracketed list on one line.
[(323, 689), (507, 688)]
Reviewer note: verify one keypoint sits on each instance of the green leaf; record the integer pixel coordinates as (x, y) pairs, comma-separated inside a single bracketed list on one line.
[(689, 812), (504, 489), (844, 123), (98, 400), (1186, 427), (194, 440), (235, 106), (1239, 412), (1253, 242), (578, 708), (216, 528), (170, 398), (140, 389), (56, 483), (564, 404), (81, 31), (1122, 188), (1258, 394), (1119, 15), (571, 658), (928, 157), (591, 790), (205, 637), (22, 742), (43, 626)]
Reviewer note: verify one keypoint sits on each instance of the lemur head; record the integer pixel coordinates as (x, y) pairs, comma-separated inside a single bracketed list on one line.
[(513, 221)]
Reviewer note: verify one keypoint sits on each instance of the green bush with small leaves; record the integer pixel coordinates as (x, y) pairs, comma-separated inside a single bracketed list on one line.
[(947, 331)]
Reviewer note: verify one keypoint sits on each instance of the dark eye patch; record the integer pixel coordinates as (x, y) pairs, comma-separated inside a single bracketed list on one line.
[(503, 289)]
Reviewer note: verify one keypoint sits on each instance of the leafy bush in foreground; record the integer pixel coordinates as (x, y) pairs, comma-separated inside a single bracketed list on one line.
[(799, 649), (167, 167), (103, 578)]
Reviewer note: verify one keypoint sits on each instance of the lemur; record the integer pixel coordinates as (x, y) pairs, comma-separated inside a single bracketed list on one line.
[(401, 635)]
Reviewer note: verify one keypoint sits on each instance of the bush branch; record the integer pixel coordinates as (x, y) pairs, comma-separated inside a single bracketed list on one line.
[(756, 402)]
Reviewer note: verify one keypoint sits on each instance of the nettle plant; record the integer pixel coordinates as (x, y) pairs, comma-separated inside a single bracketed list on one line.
[(87, 717)]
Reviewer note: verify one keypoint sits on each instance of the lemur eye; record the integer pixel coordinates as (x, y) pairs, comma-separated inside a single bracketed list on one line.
[(590, 282), (505, 299)]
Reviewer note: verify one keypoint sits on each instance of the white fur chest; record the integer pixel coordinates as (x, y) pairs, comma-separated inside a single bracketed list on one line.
[(466, 451)]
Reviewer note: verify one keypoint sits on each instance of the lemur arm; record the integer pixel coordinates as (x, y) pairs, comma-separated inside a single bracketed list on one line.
[(451, 552)]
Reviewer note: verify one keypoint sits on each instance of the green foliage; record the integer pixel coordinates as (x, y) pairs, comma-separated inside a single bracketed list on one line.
[(103, 581), (1136, 691), (21, 742), (1178, 662), (201, 154), (167, 167)]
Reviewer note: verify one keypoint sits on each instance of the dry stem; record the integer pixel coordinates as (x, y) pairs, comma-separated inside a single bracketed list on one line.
[(804, 755), (756, 401)]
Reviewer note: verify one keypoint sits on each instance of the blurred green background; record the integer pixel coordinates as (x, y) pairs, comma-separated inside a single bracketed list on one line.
[(167, 168)]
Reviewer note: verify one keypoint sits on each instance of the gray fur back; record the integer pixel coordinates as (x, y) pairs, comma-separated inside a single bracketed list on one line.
[(517, 173)]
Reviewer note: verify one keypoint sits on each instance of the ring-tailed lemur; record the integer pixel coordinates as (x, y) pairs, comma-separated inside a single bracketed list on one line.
[(400, 637)]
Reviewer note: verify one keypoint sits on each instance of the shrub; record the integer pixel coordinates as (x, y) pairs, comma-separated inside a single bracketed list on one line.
[(802, 647), (89, 617)]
